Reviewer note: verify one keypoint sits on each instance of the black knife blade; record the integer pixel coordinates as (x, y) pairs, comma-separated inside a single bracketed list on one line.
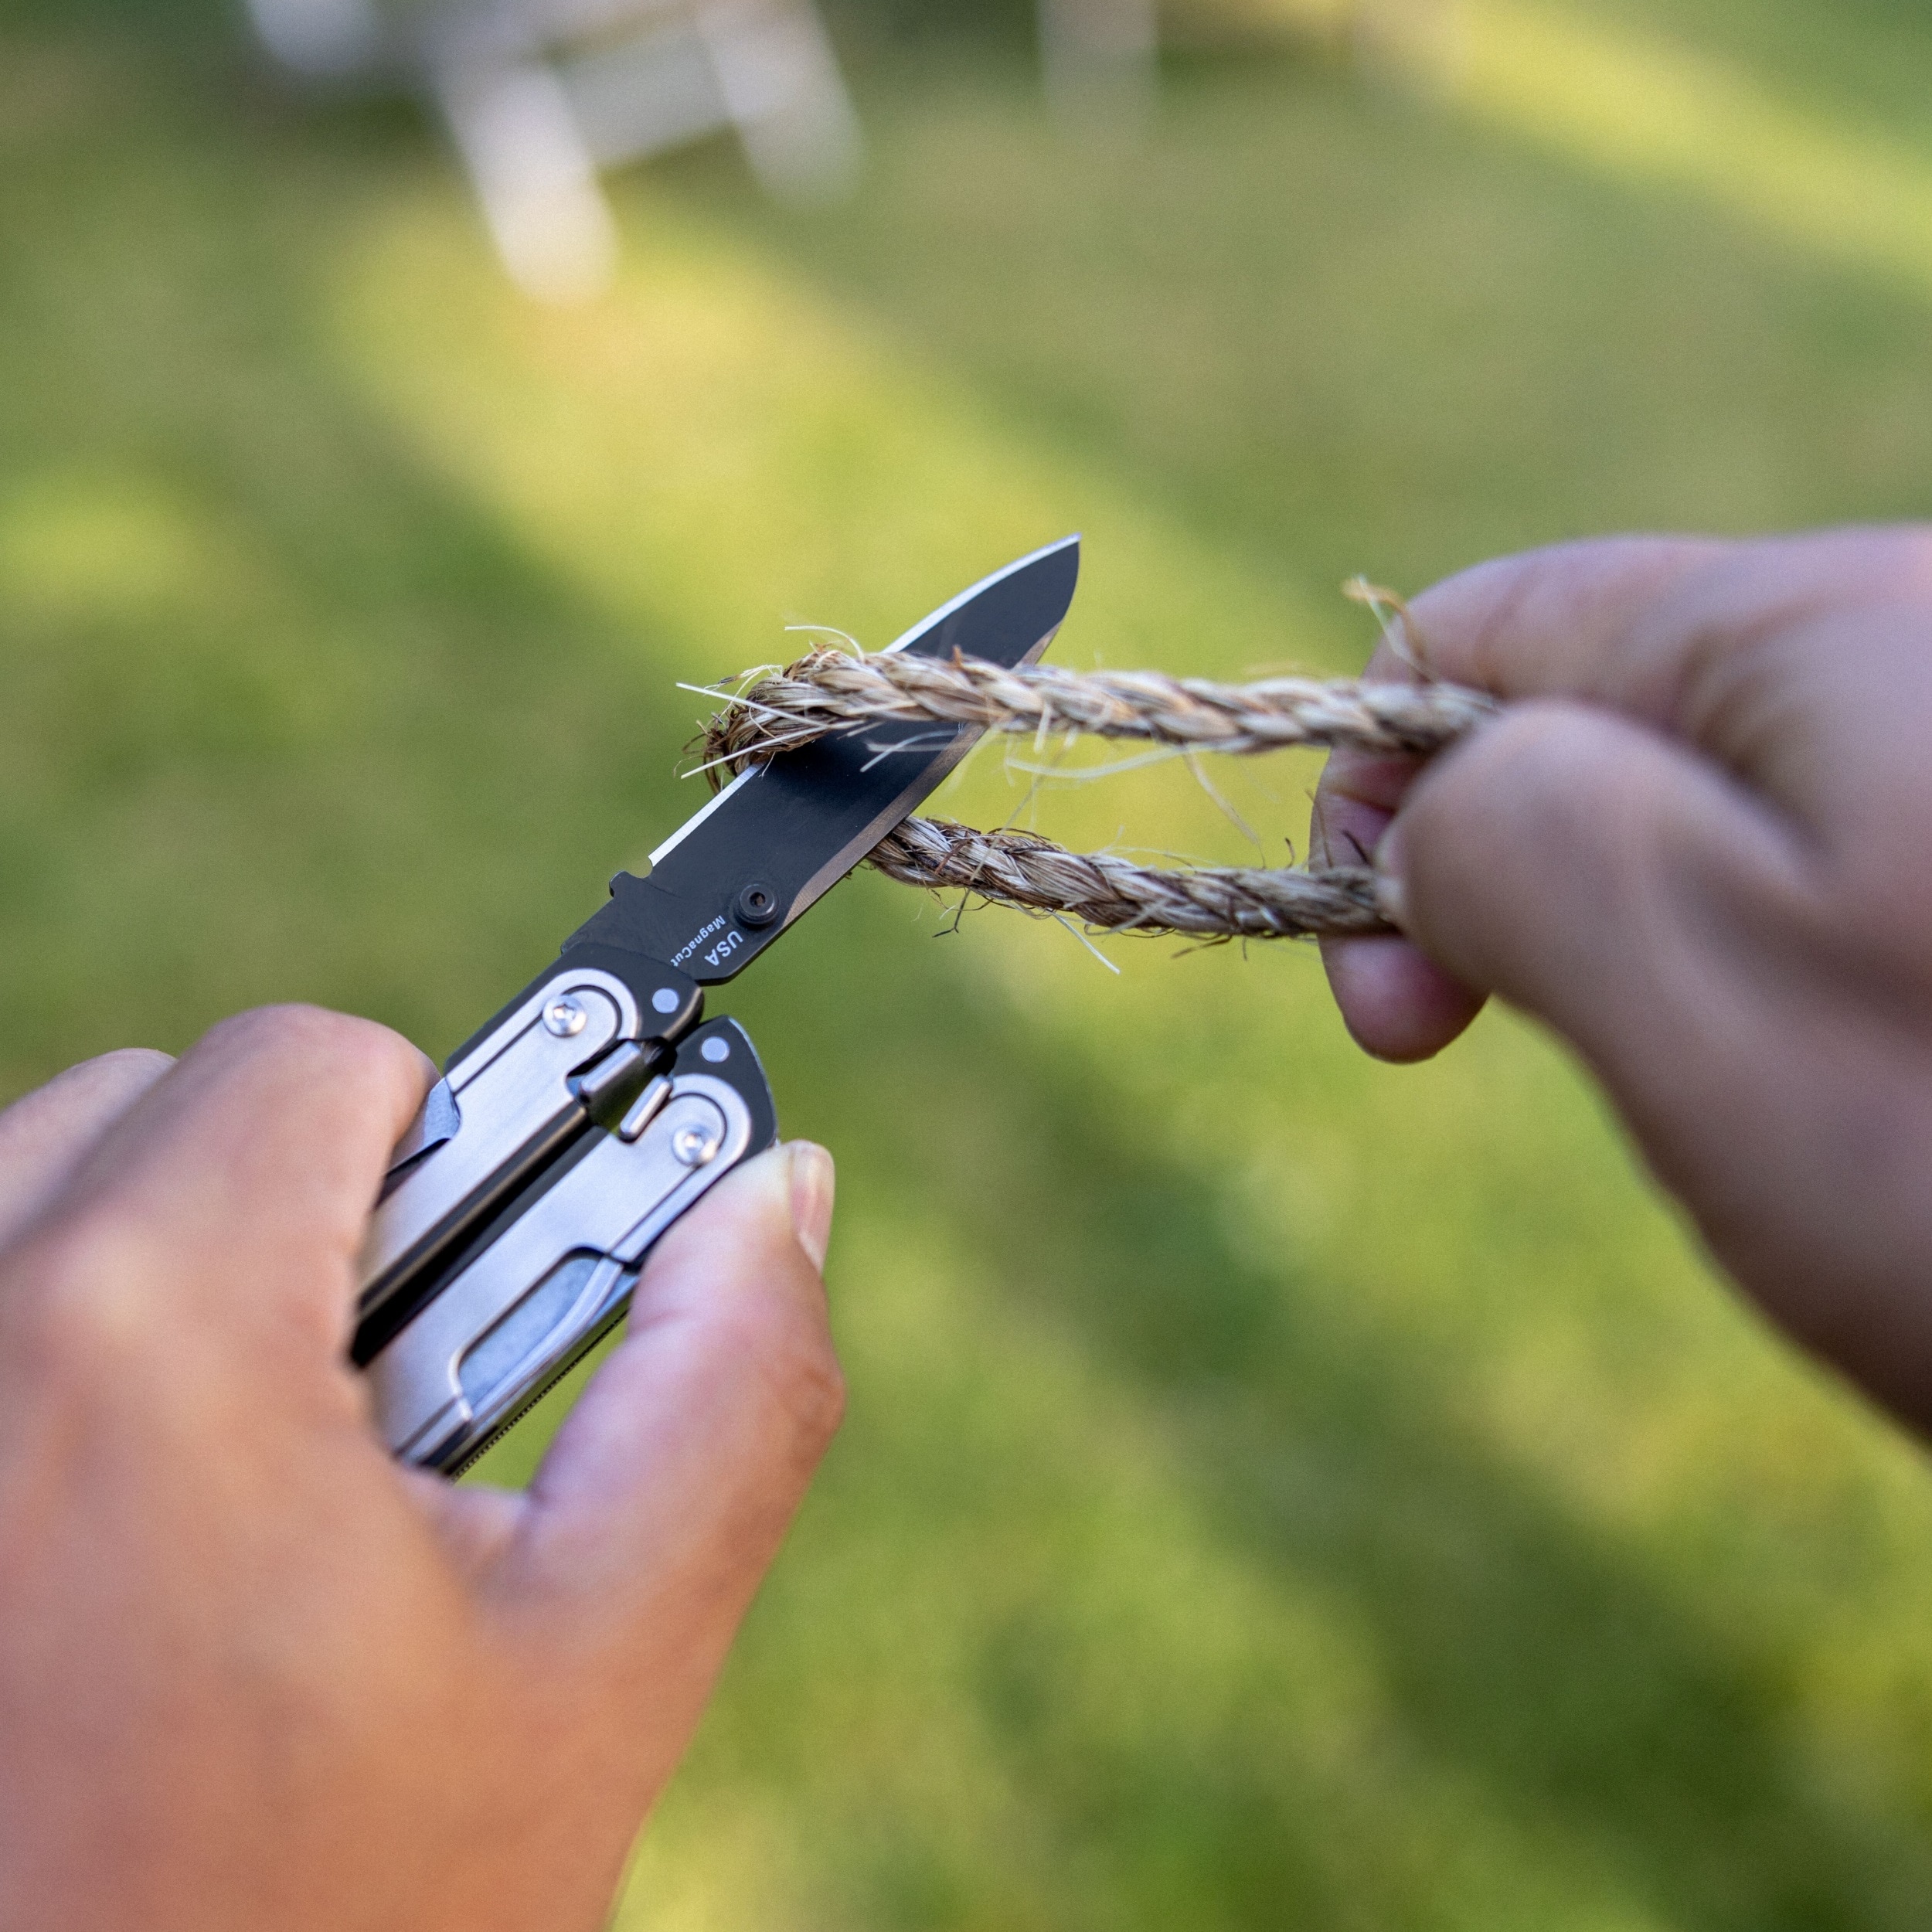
[(741, 871)]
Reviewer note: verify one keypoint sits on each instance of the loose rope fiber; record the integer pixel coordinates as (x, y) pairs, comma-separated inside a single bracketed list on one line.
[(829, 692)]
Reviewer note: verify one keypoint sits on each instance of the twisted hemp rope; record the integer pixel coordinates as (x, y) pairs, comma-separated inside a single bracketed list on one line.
[(827, 692)]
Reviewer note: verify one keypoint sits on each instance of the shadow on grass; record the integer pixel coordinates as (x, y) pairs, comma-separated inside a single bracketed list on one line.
[(1559, 1668)]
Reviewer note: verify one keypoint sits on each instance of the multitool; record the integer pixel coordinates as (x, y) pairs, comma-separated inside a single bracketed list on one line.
[(598, 1105)]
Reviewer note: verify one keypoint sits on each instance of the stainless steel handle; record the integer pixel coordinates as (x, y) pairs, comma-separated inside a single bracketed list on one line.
[(514, 1315), (504, 1106)]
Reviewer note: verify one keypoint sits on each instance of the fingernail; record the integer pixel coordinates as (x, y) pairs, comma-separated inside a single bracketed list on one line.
[(1392, 897), (814, 1185)]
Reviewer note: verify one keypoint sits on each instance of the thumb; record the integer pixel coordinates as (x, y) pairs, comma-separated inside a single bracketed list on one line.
[(1619, 887), (670, 1486), (1688, 943)]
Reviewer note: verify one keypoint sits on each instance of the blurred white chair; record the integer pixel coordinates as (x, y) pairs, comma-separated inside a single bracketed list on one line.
[(540, 94), (1099, 54)]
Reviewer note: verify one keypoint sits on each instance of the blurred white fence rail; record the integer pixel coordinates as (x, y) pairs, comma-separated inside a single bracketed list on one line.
[(539, 95), (1100, 56)]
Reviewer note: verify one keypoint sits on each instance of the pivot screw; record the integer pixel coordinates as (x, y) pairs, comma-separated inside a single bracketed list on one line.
[(757, 904), (695, 1131), (565, 1018)]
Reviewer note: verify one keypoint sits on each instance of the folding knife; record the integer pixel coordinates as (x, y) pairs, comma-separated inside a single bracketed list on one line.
[(571, 1130)]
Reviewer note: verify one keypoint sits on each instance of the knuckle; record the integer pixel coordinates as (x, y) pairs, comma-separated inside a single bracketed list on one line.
[(85, 1096), (1544, 805), (1865, 566), (1491, 774), (1531, 741), (90, 1291), (791, 1350), (292, 1022), (1536, 761), (129, 1062), (360, 1049), (1882, 565), (819, 1398), (1915, 553)]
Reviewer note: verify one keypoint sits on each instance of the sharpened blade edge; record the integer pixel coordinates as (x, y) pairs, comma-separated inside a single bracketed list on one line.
[(931, 777), (703, 812), (931, 621), (835, 794)]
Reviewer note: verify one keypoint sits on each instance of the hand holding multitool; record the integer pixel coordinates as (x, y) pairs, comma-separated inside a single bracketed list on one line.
[(577, 1125)]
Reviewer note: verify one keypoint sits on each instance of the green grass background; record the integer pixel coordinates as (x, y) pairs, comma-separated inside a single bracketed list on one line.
[(1279, 1491)]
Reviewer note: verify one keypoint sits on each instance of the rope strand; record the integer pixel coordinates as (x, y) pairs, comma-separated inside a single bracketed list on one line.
[(831, 692), (1113, 894)]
